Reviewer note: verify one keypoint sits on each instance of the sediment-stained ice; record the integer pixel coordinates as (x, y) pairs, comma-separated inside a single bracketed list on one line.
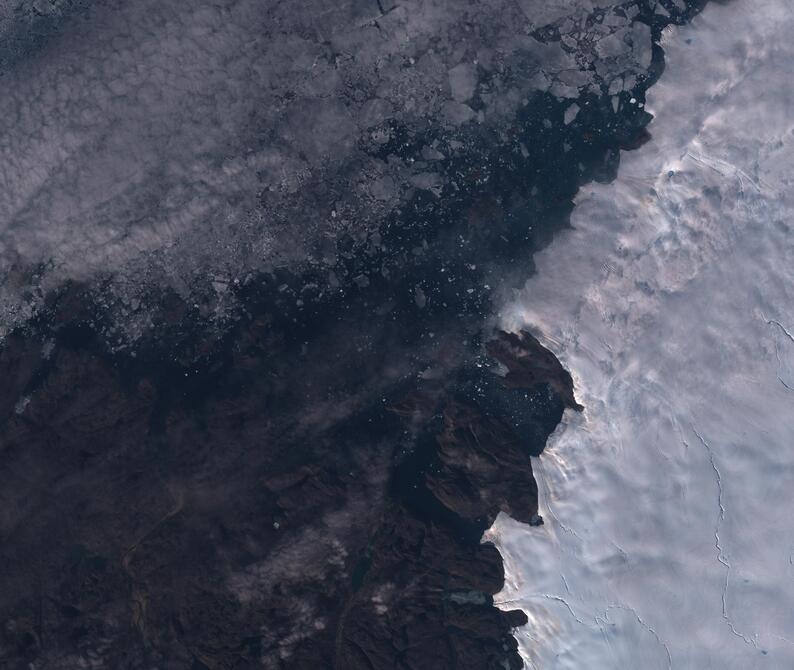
[(669, 538)]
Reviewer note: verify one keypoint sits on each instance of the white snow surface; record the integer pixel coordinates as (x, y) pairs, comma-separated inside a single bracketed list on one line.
[(669, 534)]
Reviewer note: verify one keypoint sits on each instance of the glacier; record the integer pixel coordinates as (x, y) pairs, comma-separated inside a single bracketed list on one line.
[(669, 541)]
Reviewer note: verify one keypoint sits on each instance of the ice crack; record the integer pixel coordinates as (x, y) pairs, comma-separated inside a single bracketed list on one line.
[(773, 322), (647, 627), (784, 383), (566, 529), (562, 600), (721, 557)]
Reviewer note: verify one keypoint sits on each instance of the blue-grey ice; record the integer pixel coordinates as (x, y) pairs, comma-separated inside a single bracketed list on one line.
[(669, 536)]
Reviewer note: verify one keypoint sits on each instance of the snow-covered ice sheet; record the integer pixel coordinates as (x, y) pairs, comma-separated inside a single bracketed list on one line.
[(669, 535)]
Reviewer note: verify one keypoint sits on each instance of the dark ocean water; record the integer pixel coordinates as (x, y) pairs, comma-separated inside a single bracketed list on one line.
[(251, 419)]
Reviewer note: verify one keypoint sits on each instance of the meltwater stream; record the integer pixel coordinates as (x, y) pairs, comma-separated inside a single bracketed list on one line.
[(669, 534)]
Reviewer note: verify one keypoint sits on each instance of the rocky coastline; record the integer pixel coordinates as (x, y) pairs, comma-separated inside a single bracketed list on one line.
[(292, 466)]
